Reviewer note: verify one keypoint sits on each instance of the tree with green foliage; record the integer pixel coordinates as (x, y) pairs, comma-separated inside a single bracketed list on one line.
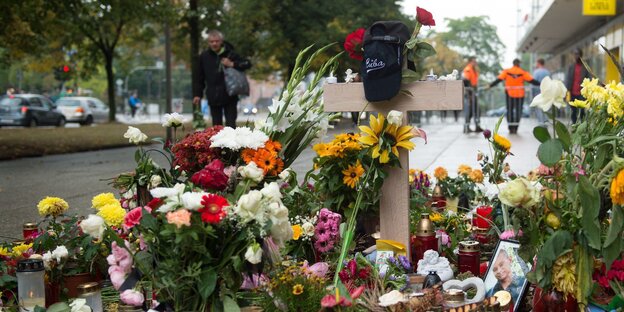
[(475, 36)]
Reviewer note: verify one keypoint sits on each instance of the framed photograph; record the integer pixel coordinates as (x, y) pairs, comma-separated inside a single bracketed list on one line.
[(507, 271)]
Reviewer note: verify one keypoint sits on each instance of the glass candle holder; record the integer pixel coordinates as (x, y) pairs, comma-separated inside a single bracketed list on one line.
[(425, 238), (30, 284), (92, 293), (484, 213), (29, 231), (469, 257)]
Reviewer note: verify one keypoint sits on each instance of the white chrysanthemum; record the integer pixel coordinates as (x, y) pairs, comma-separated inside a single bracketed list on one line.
[(239, 138)]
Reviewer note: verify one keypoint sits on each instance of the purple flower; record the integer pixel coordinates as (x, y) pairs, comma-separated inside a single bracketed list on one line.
[(323, 246), (487, 133), (405, 263)]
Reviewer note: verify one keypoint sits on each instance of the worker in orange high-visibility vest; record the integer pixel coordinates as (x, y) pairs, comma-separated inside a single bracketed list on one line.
[(470, 76), (514, 78)]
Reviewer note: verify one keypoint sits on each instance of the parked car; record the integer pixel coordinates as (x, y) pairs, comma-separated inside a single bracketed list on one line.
[(497, 112), (29, 110), (250, 109), (82, 109)]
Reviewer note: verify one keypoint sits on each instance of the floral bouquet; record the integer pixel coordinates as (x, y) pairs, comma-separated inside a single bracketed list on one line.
[(295, 287), (579, 215), (464, 184)]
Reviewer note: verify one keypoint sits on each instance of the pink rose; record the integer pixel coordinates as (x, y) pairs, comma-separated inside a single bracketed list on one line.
[(179, 217), (318, 269), (133, 218), (117, 276), (132, 297)]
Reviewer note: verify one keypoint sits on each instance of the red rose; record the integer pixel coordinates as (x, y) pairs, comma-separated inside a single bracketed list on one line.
[(211, 177), (424, 17), (353, 44)]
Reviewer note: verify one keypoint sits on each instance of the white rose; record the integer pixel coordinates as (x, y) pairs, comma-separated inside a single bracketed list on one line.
[(391, 298), (248, 206), (79, 305), (285, 174), (155, 180), (254, 254), (193, 200), (173, 120), (272, 191), (308, 229), (251, 172), (60, 252), (93, 225), (395, 118), (552, 92), (134, 135), (278, 212)]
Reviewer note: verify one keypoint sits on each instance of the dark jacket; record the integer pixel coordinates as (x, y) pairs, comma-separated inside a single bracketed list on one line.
[(569, 78), (211, 74)]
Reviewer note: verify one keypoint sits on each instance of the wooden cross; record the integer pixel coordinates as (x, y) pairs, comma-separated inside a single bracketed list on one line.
[(426, 96)]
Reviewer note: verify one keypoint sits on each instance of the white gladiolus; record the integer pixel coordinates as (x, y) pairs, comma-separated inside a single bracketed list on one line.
[(93, 225), (552, 92), (395, 118), (173, 120), (134, 135)]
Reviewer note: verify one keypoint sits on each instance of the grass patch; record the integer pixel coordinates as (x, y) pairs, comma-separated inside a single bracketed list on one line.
[(28, 142)]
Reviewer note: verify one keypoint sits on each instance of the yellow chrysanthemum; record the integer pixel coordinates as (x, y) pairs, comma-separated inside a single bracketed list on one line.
[(436, 217), (502, 143), (580, 104), (4, 252), (476, 176), (297, 290), (52, 206), (440, 173), (20, 249), (564, 274), (113, 214), (394, 136), (617, 188), (614, 107), (102, 200), (352, 174), (464, 169), (296, 231)]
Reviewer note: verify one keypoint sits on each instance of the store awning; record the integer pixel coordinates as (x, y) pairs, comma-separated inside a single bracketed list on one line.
[(561, 24)]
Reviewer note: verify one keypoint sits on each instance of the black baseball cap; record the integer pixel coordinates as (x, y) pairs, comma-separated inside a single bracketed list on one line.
[(382, 64)]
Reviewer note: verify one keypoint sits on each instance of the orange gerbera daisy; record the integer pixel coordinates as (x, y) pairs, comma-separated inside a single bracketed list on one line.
[(268, 161), (273, 146), (248, 155)]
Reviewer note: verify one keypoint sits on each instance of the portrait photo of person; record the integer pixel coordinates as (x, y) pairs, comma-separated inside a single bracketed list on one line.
[(507, 271)]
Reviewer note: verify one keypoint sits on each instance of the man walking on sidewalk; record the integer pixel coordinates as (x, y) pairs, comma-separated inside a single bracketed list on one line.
[(471, 107), (514, 78), (539, 74)]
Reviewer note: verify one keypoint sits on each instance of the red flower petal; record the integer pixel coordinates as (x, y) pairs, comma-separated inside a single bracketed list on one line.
[(424, 17)]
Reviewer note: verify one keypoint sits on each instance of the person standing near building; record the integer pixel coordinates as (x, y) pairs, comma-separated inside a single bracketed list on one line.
[(574, 77), (211, 64), (470, 77), (134, 103), (514, 78), (540, 73)]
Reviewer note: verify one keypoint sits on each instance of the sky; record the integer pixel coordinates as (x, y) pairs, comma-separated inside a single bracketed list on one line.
[(504, 14)]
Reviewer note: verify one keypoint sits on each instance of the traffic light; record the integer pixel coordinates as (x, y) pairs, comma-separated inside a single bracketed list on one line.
[(63, 73)]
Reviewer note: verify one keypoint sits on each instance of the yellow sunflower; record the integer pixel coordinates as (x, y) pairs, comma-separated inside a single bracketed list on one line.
[(297, 290), (377, 135), (617, 188), (53, 206), (502, 142), (352, 174)]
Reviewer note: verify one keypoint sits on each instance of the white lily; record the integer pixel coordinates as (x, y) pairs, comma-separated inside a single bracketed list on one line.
[(552, 92)]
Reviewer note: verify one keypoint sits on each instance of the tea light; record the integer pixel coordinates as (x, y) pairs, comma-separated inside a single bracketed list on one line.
[(30, 284)]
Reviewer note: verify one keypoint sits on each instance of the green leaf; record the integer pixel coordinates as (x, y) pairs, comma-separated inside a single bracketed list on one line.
[(590, 202), (410, 44), (137, 155), (613, 243), (229, 305), (409, 75), (58, 307), (148, 220), (556, 245), (549, 152), (207, 283), (601, 156), (541, 134), (584, 267), (563, 134), (424, 49)]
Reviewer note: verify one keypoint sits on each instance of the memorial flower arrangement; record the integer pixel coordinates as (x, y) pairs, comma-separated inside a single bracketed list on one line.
[(579, 216), (295, 287)]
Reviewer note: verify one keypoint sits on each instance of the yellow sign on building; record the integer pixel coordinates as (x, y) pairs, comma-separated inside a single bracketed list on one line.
[(598, 7)]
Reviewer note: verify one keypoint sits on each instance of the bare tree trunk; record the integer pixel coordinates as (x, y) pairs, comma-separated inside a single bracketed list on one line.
[(110, 78)]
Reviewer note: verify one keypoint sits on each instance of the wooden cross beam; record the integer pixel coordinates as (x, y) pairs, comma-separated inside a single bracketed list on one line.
[(426, 96)]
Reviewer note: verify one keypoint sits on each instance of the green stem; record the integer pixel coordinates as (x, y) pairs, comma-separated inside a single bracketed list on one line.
[(348, 234)]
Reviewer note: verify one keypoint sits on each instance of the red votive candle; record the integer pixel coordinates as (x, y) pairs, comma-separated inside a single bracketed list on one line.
[(469, 257), (29, 231), (484, 214), (425, 238)]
